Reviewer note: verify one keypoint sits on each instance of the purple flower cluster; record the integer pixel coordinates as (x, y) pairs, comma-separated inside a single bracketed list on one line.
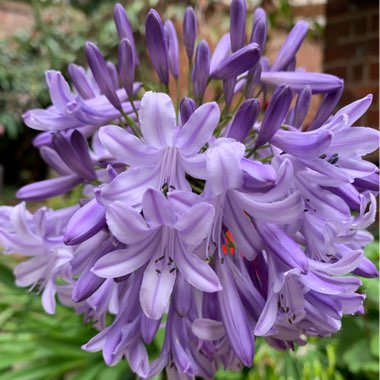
[(214, 221)]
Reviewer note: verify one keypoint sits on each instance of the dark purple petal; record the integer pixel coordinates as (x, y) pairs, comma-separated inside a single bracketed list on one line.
[(234, 317), (237, 24), (229, 90), (302, 106), (74, 154), (283, 246), (127, 65), (86, 222), (291, 46), (182, 295), (198, 129), (156, 44), (189, 31), (102, 74), (173, 52), (124, 28), (244, 120), (274, 114), (307, 145), (80, 81), (259, 28), (201, 69), (327, 105), (186, 109), (237, 63), (149, 328), (42, 190), (221, 52)]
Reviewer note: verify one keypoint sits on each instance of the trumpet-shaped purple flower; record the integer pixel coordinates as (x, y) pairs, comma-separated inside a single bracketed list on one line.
[(165, 154), (215, 227), (163, 241)]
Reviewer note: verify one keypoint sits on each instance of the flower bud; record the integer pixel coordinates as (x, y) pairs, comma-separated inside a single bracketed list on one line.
[(302, 106), (259, 28), (80, 81), (189, 31), (186, 109), (274, 114), (124, 28), (201, 69), (172, 46), (237, 63), (244, 120), (327, 105), (237, 24), (155, 40), (291, 46), (102, 74), (126, 60)]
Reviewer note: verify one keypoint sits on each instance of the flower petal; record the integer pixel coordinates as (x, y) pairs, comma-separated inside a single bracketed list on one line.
[(157, 119), (196, 271), (127, 148), (195, 224), (126, 223), (156, 289), (158, 211), (198, 129)]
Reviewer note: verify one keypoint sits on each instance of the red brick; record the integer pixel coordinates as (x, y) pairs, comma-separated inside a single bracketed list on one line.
[(336, 30), (375, 22), (359, 26), (357, 73), (340, 71), (374, 71)]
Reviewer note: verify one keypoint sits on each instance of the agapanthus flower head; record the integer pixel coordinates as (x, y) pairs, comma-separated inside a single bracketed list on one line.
[(215, 221)]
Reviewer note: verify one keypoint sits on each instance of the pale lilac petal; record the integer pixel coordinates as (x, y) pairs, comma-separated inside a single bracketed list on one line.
[(126, 223), (303, 144), (39, 191), (283, 211), (356, 109), (29, 272), (59, 90), (195, 165), (268, 316), (124, 261), (127, 148), (48, 298), (221, 52), (283, 246), (345, 265), (128, 187), (157, 210), (198, 129), (208, 329), (155, 290), (356, 141), (224, 157), (196, 271), (330, 285), (195, 224), (157, 119)]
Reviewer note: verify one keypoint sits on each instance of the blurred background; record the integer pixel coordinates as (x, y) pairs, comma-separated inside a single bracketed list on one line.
[(39, 35)]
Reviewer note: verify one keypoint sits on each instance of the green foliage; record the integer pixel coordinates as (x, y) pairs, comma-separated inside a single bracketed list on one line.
[(34, 345)]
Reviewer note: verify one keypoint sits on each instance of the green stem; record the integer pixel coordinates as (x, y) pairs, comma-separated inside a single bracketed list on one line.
[(131, 123)]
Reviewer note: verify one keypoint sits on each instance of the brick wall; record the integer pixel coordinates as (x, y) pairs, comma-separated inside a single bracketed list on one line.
[(352, 51)]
